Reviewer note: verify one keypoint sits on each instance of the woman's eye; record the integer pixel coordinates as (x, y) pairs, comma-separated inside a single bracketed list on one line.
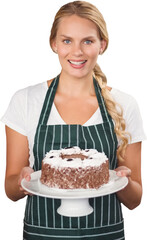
[(88, 42), (67, 41)]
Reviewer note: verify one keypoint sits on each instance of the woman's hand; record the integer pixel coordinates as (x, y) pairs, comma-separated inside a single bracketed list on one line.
[(25, 173), (131, 195), (17, 160), (123, 171)]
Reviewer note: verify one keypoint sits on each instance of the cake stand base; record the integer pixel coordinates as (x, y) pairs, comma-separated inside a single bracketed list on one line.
[(75, 207)]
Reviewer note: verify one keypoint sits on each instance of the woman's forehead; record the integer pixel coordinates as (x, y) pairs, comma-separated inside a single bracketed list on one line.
[(71, 25)]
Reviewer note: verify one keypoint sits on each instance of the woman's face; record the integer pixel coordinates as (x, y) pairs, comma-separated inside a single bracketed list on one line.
[(78, 45)]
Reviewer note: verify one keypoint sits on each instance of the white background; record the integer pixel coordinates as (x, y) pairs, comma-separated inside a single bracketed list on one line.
[(26, 59)]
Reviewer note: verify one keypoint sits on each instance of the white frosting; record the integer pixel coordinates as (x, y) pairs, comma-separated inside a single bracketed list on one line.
[(69, 151), (95, 158), (89, 152)]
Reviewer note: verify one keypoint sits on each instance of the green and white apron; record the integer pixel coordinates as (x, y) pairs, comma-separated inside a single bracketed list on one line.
[(42, 222)]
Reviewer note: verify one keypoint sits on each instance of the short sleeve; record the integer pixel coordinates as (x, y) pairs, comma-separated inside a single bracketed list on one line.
[(131, 115), (134, 123), (16, 113)]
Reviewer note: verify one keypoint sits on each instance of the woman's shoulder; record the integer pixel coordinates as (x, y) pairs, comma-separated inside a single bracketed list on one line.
[(23, 103), (30, 91), (28, 96), (39, 88), (131, 114), (49, 82), (123, 98), (131, 110), (36, 88)]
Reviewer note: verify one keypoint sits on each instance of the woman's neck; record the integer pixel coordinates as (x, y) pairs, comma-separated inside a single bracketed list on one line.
[(76, 87)]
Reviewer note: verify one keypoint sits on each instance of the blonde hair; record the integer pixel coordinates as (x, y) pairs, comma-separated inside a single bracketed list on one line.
[(88, 11)]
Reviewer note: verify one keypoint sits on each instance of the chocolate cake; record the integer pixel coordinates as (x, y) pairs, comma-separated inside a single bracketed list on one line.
[(74, 168)]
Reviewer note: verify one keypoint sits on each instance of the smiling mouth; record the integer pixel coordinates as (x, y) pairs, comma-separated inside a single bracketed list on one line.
[(77, 63)]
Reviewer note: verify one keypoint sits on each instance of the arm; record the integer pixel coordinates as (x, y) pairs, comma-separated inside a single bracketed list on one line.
[(17, 166), (131, 195)]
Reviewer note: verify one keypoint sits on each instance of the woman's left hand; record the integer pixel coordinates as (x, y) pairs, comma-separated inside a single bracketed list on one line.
[(131, 195), (123, 171)]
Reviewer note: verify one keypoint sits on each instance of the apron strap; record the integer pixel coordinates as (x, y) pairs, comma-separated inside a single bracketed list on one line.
[(49, 98), (105, 115)]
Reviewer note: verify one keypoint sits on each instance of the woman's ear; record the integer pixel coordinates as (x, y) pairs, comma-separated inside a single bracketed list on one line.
[(103, 46), (54, 45)]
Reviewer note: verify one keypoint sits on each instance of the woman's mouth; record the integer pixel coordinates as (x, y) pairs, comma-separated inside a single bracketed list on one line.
[(77, 64)]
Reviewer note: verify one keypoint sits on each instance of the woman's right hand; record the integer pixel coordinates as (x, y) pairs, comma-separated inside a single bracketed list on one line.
[(25, 173), (17, 166)]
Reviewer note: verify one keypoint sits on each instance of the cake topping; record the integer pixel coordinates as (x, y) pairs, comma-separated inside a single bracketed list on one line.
[(71, 150), (69, 159), (81, 156), (74, 157)]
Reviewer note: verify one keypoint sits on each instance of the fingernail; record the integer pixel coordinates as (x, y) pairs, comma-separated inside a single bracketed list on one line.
[(119, 173), (28, 178)]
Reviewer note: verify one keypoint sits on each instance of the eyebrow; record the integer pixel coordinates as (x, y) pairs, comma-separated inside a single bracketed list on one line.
[(88, 37)]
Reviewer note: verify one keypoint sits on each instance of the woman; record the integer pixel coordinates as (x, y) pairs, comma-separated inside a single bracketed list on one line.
[(78, 99)]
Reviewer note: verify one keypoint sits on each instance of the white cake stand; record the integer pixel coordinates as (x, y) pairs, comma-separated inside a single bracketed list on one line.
[(74, 202), (75, 207)]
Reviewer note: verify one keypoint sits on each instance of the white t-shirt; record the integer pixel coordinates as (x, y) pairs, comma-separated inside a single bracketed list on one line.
[(25, 107)]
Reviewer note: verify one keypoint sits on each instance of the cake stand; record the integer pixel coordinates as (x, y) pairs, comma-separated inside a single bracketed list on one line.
[(74, 202)]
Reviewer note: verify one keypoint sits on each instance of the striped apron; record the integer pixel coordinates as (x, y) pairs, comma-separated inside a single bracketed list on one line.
[(42, 222)]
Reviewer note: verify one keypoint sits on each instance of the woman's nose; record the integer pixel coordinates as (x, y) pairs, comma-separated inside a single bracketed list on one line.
[(77, 50)]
